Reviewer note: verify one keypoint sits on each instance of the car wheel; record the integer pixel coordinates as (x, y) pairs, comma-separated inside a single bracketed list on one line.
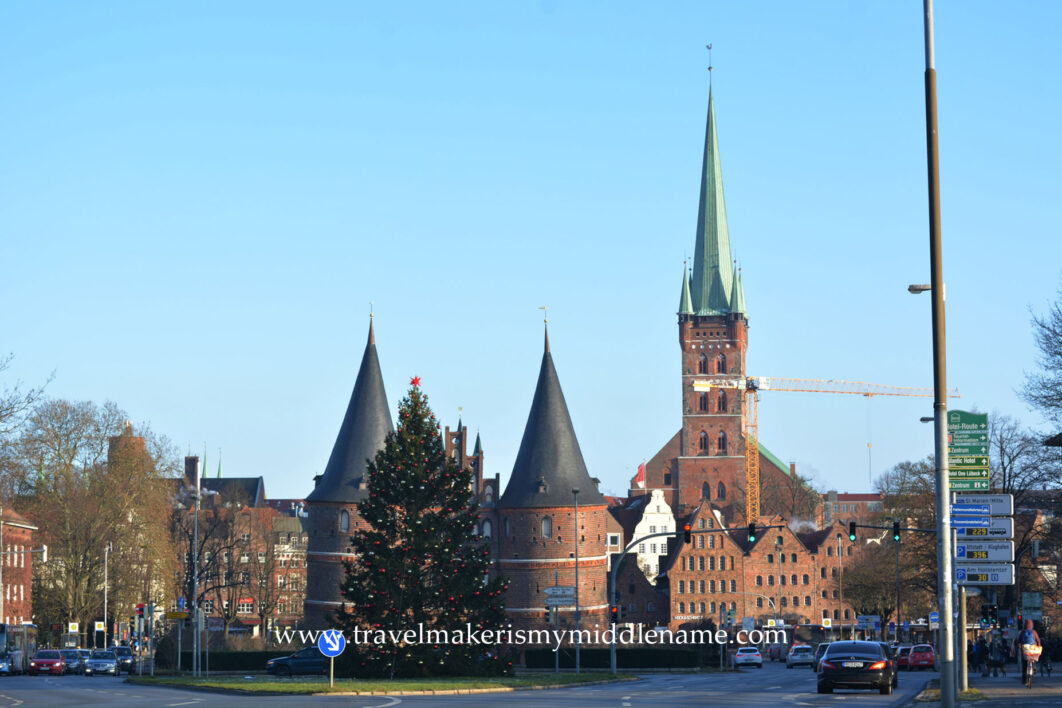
[(284, 671), (825, 688), (895, 681), (886, 689), (788, 666)]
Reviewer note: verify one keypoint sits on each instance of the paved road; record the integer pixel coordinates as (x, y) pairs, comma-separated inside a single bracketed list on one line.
[(772, 686)]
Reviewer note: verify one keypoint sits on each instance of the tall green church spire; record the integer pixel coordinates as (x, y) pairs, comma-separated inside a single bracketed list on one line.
[(712, 276)]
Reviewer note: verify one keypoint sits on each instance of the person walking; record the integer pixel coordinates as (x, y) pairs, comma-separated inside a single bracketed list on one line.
[(997, 658), (980, 650)]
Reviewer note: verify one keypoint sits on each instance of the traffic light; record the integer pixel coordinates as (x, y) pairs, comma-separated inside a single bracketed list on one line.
[(752, 532), (852, 531), (993, 615), (686, 538), (140, 609), (896, 531), (614, 613), (985, 617)]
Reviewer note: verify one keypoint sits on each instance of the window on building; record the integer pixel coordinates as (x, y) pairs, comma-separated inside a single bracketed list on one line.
[(613, 539), (836, 615), (807, 580), (720, 364), (283, 562), (261, 557), (807, 600), (712, 608), (711, 586), (700, 541), (793, 579), (711, 541), (759, 602), (245, 538), (784, 602), (508, 529), (711, 562), (667, 478), (770, 580), (700, 563), (682, 607), (488, 494), (835, 596), (281, 582), (700, 523), (641, 549), (652, 529), (208, 606), (245, 557), (721, 402), (733, 586), (652, 548), (792, 557), (847, 615), (823, 570), (344, 520), (702, 365), (825, 594), (849, 550), (781, 558), (245, 607), (703, 404), (547, 527), (829, 550), (488, 529), (844, 508), (770, 558), (720, 449), (759, 580), (781, 580), (703, 441), (702, 586), (833, 572), (682, 587), (702, 608)]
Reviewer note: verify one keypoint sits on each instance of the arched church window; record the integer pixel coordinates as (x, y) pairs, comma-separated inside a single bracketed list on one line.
[(704, 403), (721, 492), (702, 365), (488, 494), (344, 520), (547, 527), (487, 529), (720, 447), (706, 493), (720, 364), (721, 402), (704, 442)]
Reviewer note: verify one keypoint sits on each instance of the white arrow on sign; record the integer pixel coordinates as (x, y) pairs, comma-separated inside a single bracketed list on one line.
[(332, 640)]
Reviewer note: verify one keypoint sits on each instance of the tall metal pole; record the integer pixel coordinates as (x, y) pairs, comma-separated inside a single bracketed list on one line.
[(195, 578), (840, 587), (897, 544), (106, 558), (948, 695), (964, 678), (2, 559), (575, 493)]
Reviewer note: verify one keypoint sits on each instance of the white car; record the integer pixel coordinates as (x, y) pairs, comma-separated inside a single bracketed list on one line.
[(748, 656), (800, 655)]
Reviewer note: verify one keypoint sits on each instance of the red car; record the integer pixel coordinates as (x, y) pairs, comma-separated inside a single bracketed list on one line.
[(902, 655), (921, 657), (47, 661)]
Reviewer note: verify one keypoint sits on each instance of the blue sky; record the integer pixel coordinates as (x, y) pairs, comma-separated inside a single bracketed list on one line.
[(198, 201)]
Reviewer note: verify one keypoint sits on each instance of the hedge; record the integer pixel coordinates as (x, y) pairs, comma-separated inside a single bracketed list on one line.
[(233, 660)]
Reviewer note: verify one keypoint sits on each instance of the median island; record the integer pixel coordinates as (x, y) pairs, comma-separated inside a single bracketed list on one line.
[(315, 685)]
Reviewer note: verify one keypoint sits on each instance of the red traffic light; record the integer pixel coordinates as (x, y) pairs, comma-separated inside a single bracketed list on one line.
[(140, 609), (614, 613), (686, 537)]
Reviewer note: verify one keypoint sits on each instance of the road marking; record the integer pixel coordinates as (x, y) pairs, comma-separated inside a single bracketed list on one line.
[(14, 701), (392, 702), (186, 703), (772, 688), (626, 705)]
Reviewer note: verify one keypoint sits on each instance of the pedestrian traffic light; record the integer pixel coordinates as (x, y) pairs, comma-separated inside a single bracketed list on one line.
[(140, 609), (896, 531), (752, 532), (852, 531), (993, 615), (986, 619), (614, 614), (686, 534)]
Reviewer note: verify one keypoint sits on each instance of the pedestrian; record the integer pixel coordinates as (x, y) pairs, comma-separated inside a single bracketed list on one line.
[(997, 657), (979, 656)]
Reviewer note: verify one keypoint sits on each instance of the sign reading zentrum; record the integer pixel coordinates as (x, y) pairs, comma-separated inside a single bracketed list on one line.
[(968, 451)]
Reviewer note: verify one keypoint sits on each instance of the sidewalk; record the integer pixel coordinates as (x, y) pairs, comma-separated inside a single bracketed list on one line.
[(1007, 691)]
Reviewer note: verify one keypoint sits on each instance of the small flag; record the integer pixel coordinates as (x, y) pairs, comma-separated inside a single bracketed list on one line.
[(639, 479)]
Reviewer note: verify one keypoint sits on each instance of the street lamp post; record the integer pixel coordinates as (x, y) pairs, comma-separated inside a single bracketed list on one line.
[(106, 555), (840, 587), (575, 494)]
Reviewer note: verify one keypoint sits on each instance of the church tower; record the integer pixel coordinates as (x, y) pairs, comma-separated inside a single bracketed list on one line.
[(332, 512), (539, 528), (713, 336)]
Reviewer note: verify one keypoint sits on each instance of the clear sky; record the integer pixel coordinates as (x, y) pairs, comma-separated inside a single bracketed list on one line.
[(199, 200)]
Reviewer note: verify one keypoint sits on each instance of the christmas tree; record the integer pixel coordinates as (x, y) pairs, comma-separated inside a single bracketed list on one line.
[(420, 562)]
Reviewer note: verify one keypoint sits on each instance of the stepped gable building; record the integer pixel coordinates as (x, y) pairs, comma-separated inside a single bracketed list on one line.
[(332, 505), (706, 458), (539, 529)]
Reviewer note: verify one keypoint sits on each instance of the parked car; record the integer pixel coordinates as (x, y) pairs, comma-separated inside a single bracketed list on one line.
[(5, 664), (102, 661), (748, 656), (126, 660), (800, 655), (902, 655), (308, 660), (85, 655), (890, 655), (71, 661), (854, 664), (922, 657), (819, 651), (46, 661)]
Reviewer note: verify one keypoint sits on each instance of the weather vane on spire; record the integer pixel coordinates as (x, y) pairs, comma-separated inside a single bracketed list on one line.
[(370, 309), (709, 48), (545, 317)]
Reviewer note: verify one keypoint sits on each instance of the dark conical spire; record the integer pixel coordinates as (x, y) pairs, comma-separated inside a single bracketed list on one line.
[(711, 261), (479, 445), (365, 426), (549, 464)]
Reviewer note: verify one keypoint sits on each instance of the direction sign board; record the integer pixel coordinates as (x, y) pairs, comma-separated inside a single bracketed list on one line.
[(560, 601), (177, 615), (72, 627), (970, 510), (827, 622), (1032, 600), (998, 504), (560, 591), (969, 485), (101, 626), (999, 528), (965, 423), (986, 551), (970, 522), (959, 461), (985, 574), (907, 625), (181, 602), (332, 643), (968, 473)]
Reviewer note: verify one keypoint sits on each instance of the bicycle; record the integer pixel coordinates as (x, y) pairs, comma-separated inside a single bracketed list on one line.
[(1045, 665), (1031, 653)]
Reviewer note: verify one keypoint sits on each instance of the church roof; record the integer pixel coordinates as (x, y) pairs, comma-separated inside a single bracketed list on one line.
[(685, 300), (549, 464), (713, 280), (361, 435)]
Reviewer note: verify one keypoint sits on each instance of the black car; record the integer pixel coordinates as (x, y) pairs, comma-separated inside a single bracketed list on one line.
[(853, 664), (308, 660), (72, 661), (126, 660), (894, 667), (819, 651)]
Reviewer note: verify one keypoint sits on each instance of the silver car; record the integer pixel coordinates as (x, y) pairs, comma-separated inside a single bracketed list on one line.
[(102, 662), (800, 655)]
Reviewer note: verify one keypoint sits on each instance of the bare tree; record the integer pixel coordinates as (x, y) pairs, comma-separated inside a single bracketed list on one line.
[(264, 563), (1043, 389), (1021, 465)]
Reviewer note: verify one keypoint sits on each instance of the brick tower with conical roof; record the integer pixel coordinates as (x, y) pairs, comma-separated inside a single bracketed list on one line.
[(332, 505), (539, 530)]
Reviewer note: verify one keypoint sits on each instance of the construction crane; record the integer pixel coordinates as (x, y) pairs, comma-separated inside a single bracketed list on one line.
[(750, 386)]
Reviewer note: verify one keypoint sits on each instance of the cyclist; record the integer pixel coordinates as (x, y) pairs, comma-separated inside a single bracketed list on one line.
[(1030, 651)]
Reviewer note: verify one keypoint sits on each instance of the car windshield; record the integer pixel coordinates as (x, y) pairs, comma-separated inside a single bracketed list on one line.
[(905, 650), (47, 655), (123, 651), (103, 655), (855, 648), (70, 654)]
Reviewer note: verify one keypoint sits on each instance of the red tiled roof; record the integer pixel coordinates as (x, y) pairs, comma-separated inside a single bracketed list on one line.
[(855, 497)]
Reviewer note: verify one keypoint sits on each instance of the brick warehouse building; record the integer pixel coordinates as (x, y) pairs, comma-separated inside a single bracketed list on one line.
[(16, 587)]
